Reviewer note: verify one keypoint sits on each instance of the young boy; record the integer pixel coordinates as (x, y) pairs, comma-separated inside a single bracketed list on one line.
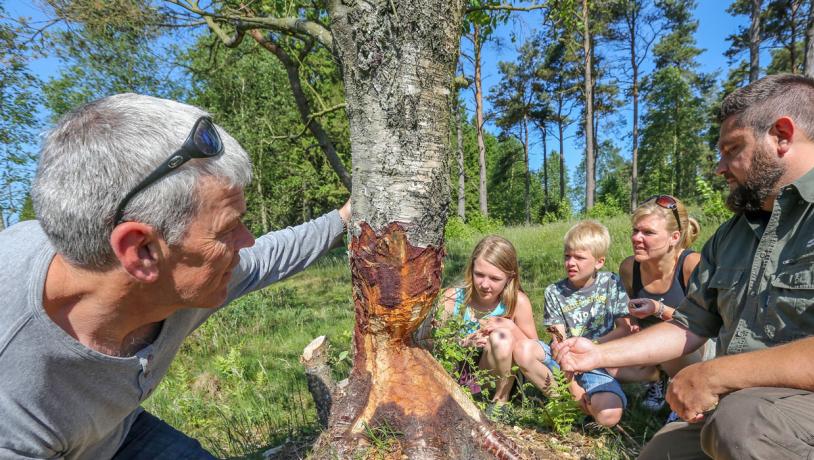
[(589, 303)]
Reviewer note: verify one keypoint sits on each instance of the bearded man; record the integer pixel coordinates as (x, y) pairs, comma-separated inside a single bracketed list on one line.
[(753, 290)]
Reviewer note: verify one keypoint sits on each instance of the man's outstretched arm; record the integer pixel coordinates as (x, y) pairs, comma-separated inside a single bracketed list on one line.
[(654, 345)]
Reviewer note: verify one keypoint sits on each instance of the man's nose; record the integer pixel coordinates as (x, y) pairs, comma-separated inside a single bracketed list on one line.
[(721, 168), (246, 239)]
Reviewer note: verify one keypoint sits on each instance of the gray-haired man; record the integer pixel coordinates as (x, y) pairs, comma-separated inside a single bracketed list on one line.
[(753, 289), (138, 240)]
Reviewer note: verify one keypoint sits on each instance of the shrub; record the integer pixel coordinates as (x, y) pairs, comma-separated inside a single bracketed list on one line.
[(558, 212), (482, 224), (602, 209), (455, 357), (712, 204), (456, 229)]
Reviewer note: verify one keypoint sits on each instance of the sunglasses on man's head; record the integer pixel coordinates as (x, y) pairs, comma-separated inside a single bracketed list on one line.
[(203, 142), (667, 202)]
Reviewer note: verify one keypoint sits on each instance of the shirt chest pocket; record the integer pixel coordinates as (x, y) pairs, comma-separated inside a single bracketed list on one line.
[(728, 284), (790, 307)]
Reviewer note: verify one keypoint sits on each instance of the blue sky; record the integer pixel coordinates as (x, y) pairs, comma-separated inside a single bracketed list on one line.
[(714, 26)]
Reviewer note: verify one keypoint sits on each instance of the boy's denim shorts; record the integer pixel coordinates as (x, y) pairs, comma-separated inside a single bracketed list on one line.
[(548, 361), (598, 381)]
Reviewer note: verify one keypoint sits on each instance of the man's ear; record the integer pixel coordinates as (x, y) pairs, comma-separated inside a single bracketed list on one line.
[(136, 246), (783, 131)]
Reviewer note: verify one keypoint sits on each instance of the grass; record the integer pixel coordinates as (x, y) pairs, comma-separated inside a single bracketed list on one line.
[(237, 384)]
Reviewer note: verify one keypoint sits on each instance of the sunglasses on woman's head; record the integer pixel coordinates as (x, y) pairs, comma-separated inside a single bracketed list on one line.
[(667, 202), (203, 142)]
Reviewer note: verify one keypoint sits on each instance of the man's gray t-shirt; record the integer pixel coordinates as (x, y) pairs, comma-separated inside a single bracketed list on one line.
[(60, 399)]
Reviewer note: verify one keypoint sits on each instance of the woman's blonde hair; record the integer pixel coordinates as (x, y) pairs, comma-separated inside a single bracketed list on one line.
[(499, 252), (689, 229)]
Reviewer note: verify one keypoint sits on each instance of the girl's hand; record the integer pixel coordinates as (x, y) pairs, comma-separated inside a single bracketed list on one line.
[(642, 308), (475, 339)]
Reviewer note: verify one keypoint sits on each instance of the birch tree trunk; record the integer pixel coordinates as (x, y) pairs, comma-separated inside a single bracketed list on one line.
[(398, 58)]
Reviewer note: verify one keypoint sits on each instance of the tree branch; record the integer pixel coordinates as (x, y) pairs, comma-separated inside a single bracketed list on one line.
[(311, 118), (229, 42), (304, 107), (287, 25), (504, 7)]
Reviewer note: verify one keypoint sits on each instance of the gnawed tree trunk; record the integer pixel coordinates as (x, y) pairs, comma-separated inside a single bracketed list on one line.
[(398, 59)]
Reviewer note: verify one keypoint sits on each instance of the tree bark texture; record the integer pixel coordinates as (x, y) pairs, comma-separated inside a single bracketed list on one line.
[(632, 20), (398, 58), (482, 195), (754, 42), (461, 167), (527, 170), (808, 59), (589, 106)]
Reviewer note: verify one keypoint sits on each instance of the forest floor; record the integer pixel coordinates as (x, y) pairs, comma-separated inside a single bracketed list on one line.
[(237, 384)]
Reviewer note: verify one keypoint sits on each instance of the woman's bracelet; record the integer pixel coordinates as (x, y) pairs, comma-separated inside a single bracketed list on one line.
[(660, 311)]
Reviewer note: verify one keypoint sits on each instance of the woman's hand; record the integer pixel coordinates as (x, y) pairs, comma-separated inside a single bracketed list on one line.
[(642, 308)]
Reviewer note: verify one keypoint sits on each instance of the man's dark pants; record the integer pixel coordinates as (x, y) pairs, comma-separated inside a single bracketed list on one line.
[(152, 438), (755, 423)]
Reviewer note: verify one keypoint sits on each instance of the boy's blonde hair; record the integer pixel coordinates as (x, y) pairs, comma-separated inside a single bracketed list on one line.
[(499, 252), (588, 235)]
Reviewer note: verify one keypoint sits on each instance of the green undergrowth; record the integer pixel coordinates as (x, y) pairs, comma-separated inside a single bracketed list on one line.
[(237, 384)]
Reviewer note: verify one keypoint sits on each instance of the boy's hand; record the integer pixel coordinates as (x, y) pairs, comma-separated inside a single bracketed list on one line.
[(642, 308), (576, 354)]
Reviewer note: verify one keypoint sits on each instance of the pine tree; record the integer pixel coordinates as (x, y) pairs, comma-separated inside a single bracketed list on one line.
[(673, 146)]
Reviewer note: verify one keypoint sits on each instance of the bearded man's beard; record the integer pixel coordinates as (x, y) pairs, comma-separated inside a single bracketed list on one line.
[(761, 182)]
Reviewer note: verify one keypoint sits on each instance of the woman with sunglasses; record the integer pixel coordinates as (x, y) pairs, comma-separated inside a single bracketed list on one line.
[(656, 275)]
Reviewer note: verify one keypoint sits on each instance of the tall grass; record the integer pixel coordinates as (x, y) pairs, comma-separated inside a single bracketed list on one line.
[(237, 384)]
